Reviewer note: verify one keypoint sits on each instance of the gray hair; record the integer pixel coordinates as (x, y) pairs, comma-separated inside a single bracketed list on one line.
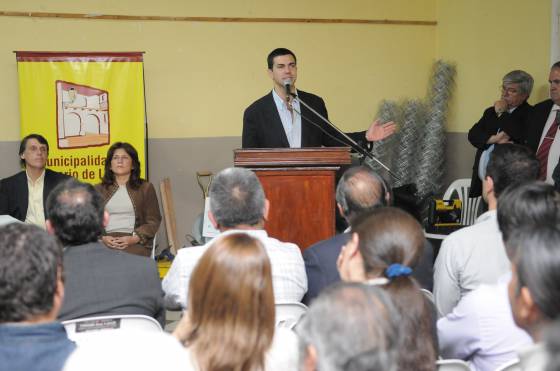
[(236, 197), (359, 190), (353, 327), (520, 77)]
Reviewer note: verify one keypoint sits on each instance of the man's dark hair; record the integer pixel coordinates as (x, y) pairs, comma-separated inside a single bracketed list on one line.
[(537, 263), (30, 262), (41, 139), (531, 203), (556, 65), (360, 190), (75, 210), (511, 165), (276, 53)]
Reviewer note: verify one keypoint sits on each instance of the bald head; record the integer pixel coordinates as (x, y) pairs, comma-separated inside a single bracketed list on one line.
[(359, 191)]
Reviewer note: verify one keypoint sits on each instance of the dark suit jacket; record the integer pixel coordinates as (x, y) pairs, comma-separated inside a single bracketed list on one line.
[(100, 281), (320, 265), (513, 124), (14, 195), (262, 126), (535, 123)]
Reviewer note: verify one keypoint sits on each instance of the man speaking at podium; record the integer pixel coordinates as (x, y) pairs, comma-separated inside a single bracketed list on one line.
[(279, 121)]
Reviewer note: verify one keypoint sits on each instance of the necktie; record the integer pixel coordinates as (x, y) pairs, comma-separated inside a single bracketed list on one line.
[(544, 148)]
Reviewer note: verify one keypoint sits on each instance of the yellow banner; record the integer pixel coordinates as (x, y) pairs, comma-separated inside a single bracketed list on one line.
[(82, 103)]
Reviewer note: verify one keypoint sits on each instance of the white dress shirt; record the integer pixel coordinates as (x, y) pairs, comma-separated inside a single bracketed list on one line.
[(35, 210), (480, 329), (554, 152), (467, 258), (289, 279), (291, 120)]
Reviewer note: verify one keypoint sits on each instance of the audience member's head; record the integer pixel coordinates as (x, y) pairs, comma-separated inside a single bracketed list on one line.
[(532, 203), (359, 190), (75, 213), (534, 289), (350, 327), (231, 314), (237, 199), (516, 87), (509, 166), (31, 288), (385, 247), (33, 151), (554, 81)]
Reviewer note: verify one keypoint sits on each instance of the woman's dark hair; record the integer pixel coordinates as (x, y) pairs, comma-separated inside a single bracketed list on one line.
[(109, 178), (389, 236)]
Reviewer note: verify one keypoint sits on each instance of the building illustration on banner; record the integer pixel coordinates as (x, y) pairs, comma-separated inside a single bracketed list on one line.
[(82, 115)]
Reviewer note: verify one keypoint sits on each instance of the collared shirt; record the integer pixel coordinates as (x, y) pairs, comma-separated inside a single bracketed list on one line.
[(480, 329), (35, 210), (554, 152), (291, 120), (39, 347), (467, 258), (288, 270)]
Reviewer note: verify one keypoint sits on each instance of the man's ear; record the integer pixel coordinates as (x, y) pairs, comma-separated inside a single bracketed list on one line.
[(528, 310), (269, 71), (213, 220), (59, 292), (340, 210), (49, 227), (310, 361), (105, 218), (266, 209), (489, 184)]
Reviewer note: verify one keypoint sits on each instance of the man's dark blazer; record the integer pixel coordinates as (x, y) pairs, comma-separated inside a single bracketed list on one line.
[(100, 281), (262, 126), (320, 265), (536, 122), (14, 195), (513, 124)]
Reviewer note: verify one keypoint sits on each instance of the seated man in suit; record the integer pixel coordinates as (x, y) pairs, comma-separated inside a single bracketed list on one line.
[(278, 121), (359, 191), (99, 281), (542, 128), (24, 195), (31, 294), (502, 123)]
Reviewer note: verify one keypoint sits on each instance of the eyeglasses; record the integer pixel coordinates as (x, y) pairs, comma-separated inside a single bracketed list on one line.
[(505, 89), (123, 158)]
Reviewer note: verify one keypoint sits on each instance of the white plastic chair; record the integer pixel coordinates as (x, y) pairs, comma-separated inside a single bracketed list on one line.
[(510, 366), (452, 365), (79, 330), (470, 205), (288, 314)]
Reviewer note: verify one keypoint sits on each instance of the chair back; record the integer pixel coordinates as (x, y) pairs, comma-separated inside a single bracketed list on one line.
[(510, 366), (79, 330), (452, 365), (469, 211), (288, 314)]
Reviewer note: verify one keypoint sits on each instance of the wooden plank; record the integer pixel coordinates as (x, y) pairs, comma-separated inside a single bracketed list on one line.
[(169, 214), (124, 17)]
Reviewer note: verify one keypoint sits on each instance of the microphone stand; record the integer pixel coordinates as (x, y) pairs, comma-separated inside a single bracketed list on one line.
[(352, 143)]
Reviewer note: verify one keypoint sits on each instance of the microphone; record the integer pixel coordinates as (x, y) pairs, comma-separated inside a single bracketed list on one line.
[(288, 86)]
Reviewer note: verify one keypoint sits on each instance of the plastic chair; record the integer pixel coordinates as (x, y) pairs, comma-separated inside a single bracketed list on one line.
[(470, 205), (452, 365), (510, 366), (79, 330), (288, 314)]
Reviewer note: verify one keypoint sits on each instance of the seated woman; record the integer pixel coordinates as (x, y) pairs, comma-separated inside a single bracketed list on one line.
[(386, 244), (230, 321), (131, 202)]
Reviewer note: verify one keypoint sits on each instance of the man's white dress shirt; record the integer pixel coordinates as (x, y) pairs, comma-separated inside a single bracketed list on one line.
[(480, 329), (289, 279), (291, 119), (469, 257)]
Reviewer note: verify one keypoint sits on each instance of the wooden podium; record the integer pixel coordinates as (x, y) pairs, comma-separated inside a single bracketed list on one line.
[(300, 185)]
